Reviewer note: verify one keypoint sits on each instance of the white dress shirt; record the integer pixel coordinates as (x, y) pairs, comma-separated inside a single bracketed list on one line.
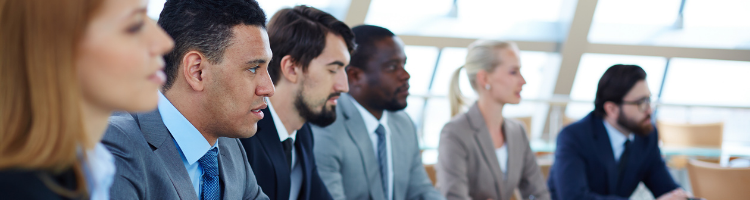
[(99, 170), (185, 135), (617, 140), (296, 175), (502, 158), (371, 123)]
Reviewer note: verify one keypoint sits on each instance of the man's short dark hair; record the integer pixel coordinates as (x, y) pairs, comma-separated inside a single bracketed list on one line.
[(300, 32), (204, 26), (615, 84), (366, 36)]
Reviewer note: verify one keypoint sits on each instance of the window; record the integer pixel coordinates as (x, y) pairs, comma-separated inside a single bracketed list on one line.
[(705, 23), (508, 19), (337, 8), (707, 82)]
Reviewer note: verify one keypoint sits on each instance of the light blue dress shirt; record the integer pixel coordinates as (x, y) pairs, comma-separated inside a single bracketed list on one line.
[(617, 140), (296, 175), (371, 123), (187, 136), (99, 170)]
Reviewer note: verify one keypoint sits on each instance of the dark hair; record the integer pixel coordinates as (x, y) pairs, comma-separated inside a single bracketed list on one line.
[(204, 26), (615, 84), (300, 32), (365, 36)]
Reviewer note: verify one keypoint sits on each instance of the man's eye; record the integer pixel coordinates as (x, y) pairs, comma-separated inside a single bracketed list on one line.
[(254, 69)]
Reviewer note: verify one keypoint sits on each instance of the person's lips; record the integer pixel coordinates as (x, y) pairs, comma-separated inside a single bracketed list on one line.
[(258, 110), (158, 77), (332, 100)]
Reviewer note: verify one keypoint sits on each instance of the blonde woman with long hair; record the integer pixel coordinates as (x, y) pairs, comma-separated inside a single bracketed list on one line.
[(65, 66), (482, 155)]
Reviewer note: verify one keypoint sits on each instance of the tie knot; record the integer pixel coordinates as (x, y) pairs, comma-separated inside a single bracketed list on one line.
[(210, 162), (627, 142), (380, 130), (287, 143)]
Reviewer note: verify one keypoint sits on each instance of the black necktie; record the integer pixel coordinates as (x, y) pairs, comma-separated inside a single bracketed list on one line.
[(623, 160), (287, 144)]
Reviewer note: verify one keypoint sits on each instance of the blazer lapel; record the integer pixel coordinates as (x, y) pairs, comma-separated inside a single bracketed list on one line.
[(482, 137), (269, 139), (158, 136), (306, 165), (636, 149), (355, 126), (604, 152), (515, 144), (223, 176), (400, 154)]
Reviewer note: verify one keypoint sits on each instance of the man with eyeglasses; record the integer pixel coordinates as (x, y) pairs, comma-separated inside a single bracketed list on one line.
[(609, 152)]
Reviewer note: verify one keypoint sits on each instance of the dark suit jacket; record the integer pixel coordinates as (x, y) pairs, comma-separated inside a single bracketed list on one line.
[(266, 156), (149, 165), (28, 184), (585, 166)]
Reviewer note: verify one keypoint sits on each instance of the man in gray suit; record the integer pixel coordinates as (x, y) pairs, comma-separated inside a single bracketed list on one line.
[(216, 83), (371, 151)]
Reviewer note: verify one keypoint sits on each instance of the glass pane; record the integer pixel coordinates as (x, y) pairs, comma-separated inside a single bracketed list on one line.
[(518, 20), (706, 23), (420, 64), (437, 114), (593, 66), (707, 82), (337, 8)]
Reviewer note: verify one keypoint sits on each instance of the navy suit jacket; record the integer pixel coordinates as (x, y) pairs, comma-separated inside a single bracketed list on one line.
[(266, 156), (585, 166)]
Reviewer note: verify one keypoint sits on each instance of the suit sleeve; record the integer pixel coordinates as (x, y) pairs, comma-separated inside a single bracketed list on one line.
[(452, 178), (532, 181), (570, 171), (420, 186), (130, 180), (328, 161), (658, 179), (253, 190)]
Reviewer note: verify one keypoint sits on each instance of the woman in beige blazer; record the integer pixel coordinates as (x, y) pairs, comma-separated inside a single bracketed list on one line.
[(482, 155)]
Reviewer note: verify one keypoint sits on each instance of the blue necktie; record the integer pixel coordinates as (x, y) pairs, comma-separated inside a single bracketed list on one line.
[(382, 158), (210, 186)]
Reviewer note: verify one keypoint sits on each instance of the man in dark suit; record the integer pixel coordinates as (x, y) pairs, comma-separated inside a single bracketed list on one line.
[(310, 50), (216, 82), (608, 153)]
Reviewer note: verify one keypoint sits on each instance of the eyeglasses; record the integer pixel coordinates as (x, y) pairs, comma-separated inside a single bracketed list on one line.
[(642, 104)]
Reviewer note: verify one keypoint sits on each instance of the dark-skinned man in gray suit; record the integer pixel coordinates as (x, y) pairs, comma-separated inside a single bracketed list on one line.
[(371, 150), (215, 89)]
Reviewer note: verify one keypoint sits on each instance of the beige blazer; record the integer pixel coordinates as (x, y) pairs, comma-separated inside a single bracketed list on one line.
[(468, 168)]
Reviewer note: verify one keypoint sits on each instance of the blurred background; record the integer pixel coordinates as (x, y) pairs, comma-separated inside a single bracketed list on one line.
[(696, 54)]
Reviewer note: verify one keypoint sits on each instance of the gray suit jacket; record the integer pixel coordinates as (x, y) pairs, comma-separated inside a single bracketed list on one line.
[(348, 165), (149, 165), (468, 167)]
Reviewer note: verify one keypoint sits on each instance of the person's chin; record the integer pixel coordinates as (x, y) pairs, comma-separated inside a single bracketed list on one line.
[(147, 102), (249, 131)]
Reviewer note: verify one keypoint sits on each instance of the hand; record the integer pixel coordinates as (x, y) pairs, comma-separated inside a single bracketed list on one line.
[(677, 194)]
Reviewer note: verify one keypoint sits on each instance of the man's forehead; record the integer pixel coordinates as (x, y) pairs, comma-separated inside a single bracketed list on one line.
[(640, 90)]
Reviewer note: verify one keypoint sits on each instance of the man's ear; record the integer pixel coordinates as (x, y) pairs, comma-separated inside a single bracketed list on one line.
[(193, 64), (354, 76), (611, 109), (290, 70)]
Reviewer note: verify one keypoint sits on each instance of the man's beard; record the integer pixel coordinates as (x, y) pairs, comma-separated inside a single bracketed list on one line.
[(393, 104), (635, 127), (324, 118)]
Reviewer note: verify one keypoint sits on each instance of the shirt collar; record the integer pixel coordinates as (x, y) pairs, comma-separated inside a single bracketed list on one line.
[(280, 128), (371, 123), (183, 132), (616, 137)]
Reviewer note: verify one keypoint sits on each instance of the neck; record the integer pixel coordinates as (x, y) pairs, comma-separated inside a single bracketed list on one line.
[(613, 122), (95, 120), (188, 103), (377, 113), (283, 104), (492, 113)]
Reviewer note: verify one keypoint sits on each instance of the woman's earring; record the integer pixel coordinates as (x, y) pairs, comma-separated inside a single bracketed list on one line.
[(487, 86)]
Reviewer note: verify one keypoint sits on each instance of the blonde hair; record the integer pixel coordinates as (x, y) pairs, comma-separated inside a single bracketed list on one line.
[(41, 125), (482, 55)]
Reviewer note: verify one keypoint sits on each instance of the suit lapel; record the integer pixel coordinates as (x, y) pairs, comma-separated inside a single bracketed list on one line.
[(355, 126), (302, 134), (482, 137), (636, 149), (159, 138), (515, 144), (269, 139), (604, 152), (400, 155), (223, 176)]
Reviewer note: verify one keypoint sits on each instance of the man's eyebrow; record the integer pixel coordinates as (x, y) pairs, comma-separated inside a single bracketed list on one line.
[(256, 62), (339, 63)]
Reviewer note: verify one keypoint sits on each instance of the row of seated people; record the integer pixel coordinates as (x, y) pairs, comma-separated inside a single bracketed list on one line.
[(301, 108)]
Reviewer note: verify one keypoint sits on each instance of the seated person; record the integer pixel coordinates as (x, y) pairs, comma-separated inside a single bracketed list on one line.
[(609, 152), (463, 170)]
